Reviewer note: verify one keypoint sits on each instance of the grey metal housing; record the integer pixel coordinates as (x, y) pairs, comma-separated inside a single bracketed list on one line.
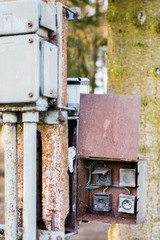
[(102, 202)]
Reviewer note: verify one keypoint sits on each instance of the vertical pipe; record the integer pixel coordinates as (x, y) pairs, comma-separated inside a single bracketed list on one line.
[(30, 120), (11, 176)]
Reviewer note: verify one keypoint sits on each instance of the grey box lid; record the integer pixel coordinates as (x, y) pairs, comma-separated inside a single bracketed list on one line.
[(19, 69), (101, 170), (25, 16)]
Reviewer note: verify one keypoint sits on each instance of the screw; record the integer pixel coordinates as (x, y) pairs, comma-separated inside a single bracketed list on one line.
[(61, 118), (30, 24), (52, 34), (30, 40), (58, 238), (1, 231), (30, 94)]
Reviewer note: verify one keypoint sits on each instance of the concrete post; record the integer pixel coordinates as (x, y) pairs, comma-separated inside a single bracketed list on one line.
[(11, 193)]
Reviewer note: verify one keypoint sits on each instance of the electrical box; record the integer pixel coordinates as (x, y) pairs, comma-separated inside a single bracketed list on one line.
[(26, 16), (126, 203), (28, 69), (127, 177), (112, 180), (102, 202), (103, 176), (75, 87)]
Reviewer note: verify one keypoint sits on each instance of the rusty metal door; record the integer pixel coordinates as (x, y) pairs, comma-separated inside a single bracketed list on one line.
[(109, 126)]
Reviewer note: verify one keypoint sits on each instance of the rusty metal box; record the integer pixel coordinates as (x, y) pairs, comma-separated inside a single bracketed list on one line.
[(108, 134), (86, 211)]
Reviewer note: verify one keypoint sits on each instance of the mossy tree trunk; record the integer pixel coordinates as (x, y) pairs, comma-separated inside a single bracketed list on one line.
[(134, 68)]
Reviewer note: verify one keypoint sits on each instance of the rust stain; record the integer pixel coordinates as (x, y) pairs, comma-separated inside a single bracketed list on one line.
[(54, 175), (20, 171)]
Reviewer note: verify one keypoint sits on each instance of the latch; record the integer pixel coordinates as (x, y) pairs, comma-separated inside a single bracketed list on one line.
[(72, 13)]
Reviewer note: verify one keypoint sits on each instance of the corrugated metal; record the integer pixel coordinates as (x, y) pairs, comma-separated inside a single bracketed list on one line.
[(109, 126)]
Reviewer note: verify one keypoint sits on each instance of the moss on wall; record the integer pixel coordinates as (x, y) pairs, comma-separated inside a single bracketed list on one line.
[(134, 68)]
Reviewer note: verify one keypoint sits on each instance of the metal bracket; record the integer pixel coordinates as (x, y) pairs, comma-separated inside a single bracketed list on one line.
[(41, 234), (72, 13)]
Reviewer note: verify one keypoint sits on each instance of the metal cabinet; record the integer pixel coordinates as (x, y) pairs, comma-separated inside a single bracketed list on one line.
[(112, 179)]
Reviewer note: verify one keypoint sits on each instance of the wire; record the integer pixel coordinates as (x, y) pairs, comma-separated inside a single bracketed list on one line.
[(91, 166), (122, 187), (93, 186), (105, 189)]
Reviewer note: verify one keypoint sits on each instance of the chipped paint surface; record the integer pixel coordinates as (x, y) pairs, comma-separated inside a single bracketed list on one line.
[(54, 175), (20, 171), (11, 224)]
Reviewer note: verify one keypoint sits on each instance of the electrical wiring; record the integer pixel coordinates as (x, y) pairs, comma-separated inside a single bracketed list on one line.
[(105, 189), (93, 186), (122, 187), (91, 166)]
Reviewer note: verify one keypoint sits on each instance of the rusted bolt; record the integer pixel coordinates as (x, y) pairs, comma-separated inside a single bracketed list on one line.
[(30, 94), (30, 24), (30, 40), (1, 231), (61, 118), (58, 238), (51, 34)]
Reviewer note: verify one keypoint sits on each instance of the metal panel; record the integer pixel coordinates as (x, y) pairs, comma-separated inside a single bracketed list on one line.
[(41, 234), (49, 66), (19, 69), (48, 16), (19, 17), (75, 87), (52, 117), (141, 191), (109, 126)]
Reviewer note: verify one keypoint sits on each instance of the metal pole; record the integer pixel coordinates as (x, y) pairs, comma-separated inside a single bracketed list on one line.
[(11, 176), (30, 120)]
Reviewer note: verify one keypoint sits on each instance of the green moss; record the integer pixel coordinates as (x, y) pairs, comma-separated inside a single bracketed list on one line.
[(137, 239), (143, 149)]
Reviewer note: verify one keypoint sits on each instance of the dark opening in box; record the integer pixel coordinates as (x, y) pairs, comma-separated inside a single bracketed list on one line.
[(86, 196)]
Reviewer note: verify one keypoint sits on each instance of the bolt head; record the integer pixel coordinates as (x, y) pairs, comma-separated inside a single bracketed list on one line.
[(30, 94), (58, 238), (51, 35), (30, 40), (30, 24)]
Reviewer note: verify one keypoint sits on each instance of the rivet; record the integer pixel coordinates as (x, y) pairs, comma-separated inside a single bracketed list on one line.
[(30, 40), (58, 238), (30, 94), (30, 24)]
